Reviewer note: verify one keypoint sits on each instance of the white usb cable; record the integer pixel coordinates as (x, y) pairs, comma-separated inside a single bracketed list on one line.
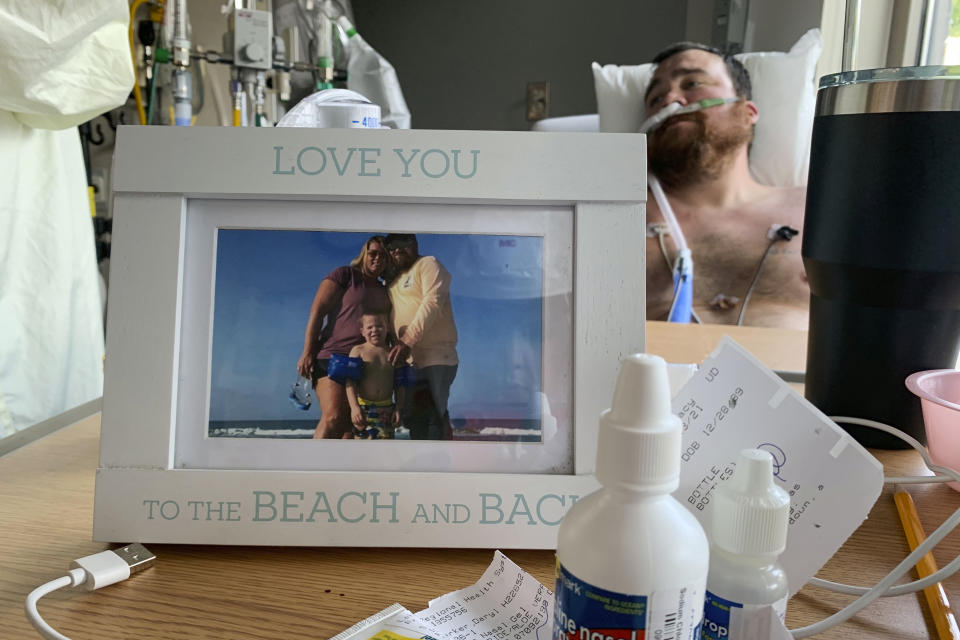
[(95, 571)]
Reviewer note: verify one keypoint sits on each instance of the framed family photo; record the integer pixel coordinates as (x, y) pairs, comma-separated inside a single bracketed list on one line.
[(349, 337)]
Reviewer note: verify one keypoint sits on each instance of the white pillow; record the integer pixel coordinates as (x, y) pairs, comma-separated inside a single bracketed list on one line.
[(784, 91)]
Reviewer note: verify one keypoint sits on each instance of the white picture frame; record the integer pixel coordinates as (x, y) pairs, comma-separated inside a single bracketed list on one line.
[(175, 192)]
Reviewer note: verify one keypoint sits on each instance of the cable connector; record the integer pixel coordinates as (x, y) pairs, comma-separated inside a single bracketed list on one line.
[(655, 229), (93, 572), (109, 567), (138, 557), (781, 232)]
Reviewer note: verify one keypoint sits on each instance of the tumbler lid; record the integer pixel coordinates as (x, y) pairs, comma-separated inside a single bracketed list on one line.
[(896, 89)]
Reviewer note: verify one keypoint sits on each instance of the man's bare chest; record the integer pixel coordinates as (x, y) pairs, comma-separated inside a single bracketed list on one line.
[(729, 259)]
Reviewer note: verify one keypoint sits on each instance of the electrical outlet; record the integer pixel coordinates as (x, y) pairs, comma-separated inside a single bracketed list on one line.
[(538, 100)]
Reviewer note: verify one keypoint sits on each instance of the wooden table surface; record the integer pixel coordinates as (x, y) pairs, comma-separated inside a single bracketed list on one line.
[(46, 507)]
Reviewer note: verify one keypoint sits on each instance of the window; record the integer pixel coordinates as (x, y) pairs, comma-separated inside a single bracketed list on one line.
[(951, 45)]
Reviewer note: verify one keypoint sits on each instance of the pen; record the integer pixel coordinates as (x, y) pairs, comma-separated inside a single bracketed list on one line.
[(940, 610)]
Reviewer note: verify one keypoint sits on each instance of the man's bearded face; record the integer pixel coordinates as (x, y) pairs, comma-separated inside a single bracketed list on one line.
[(692, 147)]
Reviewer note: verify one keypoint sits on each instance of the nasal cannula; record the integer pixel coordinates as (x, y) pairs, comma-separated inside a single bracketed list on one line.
[(675, 109)]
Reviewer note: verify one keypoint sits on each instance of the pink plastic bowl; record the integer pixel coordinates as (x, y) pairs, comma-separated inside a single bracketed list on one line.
[(939, 393)]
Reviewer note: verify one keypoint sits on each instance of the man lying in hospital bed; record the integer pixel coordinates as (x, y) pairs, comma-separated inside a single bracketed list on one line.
[(739, 214)]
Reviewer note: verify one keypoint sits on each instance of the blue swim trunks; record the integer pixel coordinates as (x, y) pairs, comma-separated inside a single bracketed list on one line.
[(378, 415)]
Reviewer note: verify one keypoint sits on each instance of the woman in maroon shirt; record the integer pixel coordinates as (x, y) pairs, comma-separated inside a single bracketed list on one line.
[(334, 328)]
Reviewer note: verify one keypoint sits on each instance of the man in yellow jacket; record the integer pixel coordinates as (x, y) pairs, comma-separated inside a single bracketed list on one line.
[(427, 336)]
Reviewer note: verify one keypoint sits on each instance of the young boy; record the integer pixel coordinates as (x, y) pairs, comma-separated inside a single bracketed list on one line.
[(372, 409)]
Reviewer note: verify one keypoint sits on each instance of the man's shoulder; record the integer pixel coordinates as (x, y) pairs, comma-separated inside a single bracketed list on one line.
[(769, 197), (792, 194), (429, 264), (790, 201), (766, 198)]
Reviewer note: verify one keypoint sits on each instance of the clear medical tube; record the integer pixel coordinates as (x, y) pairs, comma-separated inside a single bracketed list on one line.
[(325, 28), (182, 95), (675, 108), (651, 124), (681, 310)]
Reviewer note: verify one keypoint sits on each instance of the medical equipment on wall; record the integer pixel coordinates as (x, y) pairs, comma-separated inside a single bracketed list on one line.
[(880, 239), (279, 51), (181, 80), (175, 76)]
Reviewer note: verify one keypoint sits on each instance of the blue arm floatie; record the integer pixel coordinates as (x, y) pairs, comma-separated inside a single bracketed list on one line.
[(404, 376), (342, 368)]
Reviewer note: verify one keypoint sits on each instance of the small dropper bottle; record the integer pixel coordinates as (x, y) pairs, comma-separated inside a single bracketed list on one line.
[(631, 558), (748, 534)]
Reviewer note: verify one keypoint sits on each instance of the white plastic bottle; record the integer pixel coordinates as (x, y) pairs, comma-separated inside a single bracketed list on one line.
[(630, 558), (748, 533)]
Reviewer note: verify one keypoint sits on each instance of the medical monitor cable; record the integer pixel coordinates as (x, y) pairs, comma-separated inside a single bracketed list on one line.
[(682, 267), (885, 586), (777, 233), (660, 230)]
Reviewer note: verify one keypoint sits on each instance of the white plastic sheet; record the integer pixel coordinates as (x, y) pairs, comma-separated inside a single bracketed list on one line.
[(61, 63), (371, 75)]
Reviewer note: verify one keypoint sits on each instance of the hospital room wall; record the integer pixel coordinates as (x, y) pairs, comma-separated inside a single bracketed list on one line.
[(775, 25), (772, 25), (466, 65)]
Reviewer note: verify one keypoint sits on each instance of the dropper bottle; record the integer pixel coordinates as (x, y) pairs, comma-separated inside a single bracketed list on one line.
[(748, 533), (631, 558)]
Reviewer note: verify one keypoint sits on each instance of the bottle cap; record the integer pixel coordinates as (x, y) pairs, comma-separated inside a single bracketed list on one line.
[(750, 511), (638, 445)]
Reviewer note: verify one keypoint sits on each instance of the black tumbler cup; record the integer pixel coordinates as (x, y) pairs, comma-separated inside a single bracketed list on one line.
[(881, 243)]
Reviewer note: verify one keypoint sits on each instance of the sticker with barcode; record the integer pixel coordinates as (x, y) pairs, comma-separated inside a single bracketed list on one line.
[(583, 610), (676, 614)]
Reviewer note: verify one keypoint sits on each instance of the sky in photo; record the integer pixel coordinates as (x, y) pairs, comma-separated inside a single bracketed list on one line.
[(265, 283)]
